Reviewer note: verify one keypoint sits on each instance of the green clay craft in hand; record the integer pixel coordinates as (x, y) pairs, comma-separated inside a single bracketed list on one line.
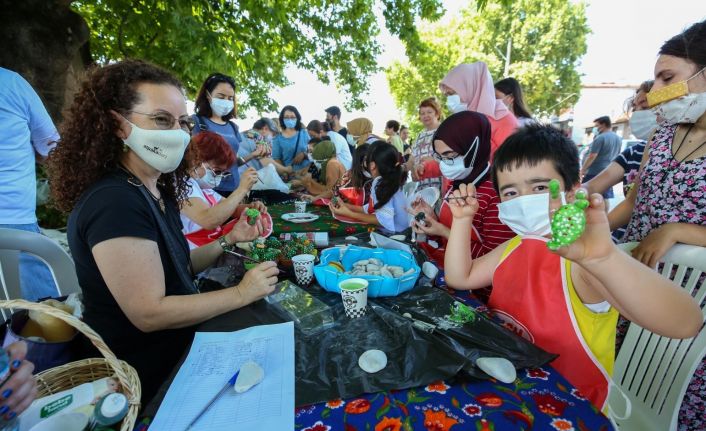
[(252, 214), (569, 221)]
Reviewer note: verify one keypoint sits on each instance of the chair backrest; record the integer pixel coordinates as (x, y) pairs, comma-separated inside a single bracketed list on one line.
[(13, 241), (654, 371)]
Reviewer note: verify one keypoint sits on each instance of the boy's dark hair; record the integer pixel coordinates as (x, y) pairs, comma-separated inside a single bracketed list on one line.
[(394, 125), (604, 120), (315, 126), (333, 111), (326, 126), (533, 144)]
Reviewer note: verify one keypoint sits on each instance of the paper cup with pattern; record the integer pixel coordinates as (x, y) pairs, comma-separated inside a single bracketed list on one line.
[(300, 206), (303, 268), (354, 293)]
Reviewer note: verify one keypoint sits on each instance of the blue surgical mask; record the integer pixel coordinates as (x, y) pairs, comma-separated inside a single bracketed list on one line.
[(594, 131), (209, 180), (290, 123)]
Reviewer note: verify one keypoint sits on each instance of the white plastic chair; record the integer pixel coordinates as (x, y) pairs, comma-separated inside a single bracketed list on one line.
[(13, 241), (654, 371)]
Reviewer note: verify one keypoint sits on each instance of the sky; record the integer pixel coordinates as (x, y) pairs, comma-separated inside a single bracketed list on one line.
[(622, 48)]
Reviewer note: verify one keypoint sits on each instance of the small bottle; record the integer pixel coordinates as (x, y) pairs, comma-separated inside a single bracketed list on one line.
[(13, 424)]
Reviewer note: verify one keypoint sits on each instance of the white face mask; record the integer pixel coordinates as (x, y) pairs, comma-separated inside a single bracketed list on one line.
[(367, 174), (209, 180), (458, 170), (453, 102), (527, 215), (686, 109), (317, 164), (161, 149), (221, 107), (643, 123)]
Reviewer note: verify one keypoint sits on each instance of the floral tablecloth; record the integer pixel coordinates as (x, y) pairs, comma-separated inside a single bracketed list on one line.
[(325, 222)]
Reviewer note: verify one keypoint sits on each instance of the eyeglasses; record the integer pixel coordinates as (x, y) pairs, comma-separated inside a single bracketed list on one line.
[(166, 121), (448, 160), (218, 172)]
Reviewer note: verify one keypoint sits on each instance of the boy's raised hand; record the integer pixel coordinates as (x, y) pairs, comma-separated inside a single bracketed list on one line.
[(463, 202), (595, 243)]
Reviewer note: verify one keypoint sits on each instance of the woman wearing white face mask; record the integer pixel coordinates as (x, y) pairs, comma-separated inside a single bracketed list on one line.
[(469, 87), (461, 145), (121, 173), (215, 112), (669, 206), (626, 166), (205, 211)]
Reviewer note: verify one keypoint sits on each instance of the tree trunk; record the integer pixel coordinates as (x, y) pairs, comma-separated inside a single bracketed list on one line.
[(47, 43)]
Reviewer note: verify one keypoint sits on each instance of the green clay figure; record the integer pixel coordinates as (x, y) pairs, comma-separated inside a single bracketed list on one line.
[(461, 313), (569, 221), (252, 214)]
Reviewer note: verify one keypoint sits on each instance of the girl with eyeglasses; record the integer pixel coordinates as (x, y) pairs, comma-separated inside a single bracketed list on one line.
[(387, 205), (461, 145), (205, 211)]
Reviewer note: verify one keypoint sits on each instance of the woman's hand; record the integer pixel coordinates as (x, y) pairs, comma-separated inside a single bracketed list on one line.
[(418, 172), (244, 231), (432, 227), (340, 209), (247, 179), (258, 205), (656, 244), (463, 202), (420, 205), (595, 244), (20, 389), (258, 282), (308, 198), (300, 157)]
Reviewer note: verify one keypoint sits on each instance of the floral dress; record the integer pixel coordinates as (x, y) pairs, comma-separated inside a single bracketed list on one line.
[(673, 192)]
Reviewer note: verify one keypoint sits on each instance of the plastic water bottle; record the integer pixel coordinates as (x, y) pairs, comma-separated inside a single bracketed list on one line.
[(14, 423)]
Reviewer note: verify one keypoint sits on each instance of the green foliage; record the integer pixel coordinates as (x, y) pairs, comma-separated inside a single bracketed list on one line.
[(254, 40), (548, 39)]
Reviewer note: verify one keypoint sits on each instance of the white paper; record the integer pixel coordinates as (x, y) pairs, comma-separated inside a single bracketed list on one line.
[(385, 242), (213, 359)]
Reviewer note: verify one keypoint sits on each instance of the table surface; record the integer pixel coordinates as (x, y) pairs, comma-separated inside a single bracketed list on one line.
[(539, 399), (325, 222)]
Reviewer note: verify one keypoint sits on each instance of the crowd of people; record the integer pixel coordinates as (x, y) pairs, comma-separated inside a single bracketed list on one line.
[(156, 194)]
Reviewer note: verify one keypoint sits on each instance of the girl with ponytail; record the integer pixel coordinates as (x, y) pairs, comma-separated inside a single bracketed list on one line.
[(387, 206)]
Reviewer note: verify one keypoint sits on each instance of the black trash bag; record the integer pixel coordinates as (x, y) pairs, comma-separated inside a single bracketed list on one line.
[(482, 337), (327, 362)]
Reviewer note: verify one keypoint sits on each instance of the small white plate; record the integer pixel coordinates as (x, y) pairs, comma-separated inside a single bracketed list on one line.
[(299, 217)]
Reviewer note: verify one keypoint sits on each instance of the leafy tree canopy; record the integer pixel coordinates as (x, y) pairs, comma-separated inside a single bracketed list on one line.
[(548, 39), (254, 40)]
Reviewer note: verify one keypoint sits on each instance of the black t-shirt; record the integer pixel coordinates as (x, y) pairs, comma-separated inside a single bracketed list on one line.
[(114, 208), (343, 132)]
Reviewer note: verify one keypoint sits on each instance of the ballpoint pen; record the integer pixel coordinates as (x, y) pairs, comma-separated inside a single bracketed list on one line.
[(229, 384)]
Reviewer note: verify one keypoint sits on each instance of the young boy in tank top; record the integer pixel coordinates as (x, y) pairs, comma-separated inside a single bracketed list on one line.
[(566, 302)]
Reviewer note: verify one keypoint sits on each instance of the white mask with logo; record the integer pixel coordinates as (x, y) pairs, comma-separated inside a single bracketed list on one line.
[(643, 123), (453, 102), (221, 107), (161, 149), (527, 215)]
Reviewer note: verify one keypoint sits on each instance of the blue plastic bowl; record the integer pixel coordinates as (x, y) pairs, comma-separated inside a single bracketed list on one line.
[(328, 277)]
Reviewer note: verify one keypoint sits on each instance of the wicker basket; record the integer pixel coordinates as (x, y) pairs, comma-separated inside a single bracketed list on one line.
[(86, 370)]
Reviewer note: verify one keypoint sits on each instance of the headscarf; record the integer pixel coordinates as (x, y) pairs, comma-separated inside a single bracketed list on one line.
[(360, 127), (458, 132), (323, 152), (473, 83)]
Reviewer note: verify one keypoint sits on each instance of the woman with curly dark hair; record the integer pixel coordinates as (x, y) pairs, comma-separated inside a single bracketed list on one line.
[(119, 170)]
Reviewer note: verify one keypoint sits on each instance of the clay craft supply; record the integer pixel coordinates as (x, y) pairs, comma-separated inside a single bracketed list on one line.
[(372, 361), (250, 375), (429, 270), (569, 221), (252, 215), (499, 368), (461, 313), (375, 266)]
